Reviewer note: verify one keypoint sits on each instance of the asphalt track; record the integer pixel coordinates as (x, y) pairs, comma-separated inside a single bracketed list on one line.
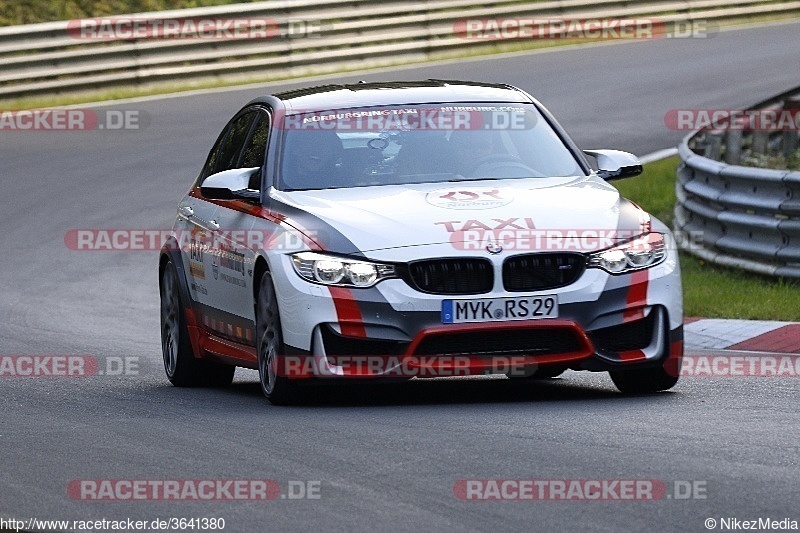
[(387, 457)]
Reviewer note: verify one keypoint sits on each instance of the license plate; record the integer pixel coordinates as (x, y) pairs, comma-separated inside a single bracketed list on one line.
[(499, 309)]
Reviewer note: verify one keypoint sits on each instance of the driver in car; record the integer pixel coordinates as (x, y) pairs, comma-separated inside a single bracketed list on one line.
[(471, 149)]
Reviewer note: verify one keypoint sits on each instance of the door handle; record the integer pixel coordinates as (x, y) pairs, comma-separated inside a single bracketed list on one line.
[(186, 211)]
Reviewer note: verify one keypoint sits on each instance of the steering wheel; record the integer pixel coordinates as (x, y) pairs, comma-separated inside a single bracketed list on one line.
[(489, 166)]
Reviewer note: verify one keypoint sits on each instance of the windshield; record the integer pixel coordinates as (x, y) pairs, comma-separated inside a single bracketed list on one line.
[(420, 144)]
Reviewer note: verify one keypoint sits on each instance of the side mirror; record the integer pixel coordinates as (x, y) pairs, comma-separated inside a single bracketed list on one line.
[(231, 184), (615, 165)]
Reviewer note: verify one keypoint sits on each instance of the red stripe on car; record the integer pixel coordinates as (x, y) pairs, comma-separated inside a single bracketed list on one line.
[(347, 311), (673, 363), (637, 296), (260, 212), (632, 355)]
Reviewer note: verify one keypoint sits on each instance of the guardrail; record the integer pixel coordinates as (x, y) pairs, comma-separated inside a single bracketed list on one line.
[(355, 34), (748, 217)]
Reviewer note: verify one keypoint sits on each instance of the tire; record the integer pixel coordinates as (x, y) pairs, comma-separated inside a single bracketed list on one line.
[(182, 367), (279, 390), (644, 380)]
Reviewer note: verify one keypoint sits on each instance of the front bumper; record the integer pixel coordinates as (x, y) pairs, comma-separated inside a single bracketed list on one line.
[(605, 322)]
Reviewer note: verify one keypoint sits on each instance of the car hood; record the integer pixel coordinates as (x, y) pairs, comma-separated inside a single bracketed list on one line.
[(580, 214)]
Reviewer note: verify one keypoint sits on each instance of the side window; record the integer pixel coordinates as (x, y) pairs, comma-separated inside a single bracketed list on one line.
[(228, 155), (254, 150), (213, 156), (253, 154)]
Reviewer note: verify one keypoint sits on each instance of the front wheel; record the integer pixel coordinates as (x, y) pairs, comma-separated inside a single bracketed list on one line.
[(182, 367), (277, 388), (643, 380)]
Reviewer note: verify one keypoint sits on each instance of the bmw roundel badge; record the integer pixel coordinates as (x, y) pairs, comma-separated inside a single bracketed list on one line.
[(494, 248)]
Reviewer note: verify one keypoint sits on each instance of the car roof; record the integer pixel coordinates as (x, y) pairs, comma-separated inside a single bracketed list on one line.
[(340, 96)]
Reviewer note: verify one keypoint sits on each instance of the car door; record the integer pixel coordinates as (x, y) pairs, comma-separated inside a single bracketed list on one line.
[(233, 256), (195, 224), (197, 215)]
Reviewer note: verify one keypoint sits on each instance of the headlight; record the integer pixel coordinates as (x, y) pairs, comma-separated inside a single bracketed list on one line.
[(642, 252), (332, 270)]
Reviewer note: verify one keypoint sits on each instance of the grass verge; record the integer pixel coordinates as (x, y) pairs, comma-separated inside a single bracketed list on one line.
[(711, 291)]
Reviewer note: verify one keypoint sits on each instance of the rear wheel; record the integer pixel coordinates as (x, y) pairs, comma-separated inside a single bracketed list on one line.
[(644, 380), (182, 367), (278, 389)]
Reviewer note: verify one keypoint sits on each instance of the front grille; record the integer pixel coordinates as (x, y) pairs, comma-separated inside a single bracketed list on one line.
[(451, 276), (636, 335), (536, 272), (538, 341)]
